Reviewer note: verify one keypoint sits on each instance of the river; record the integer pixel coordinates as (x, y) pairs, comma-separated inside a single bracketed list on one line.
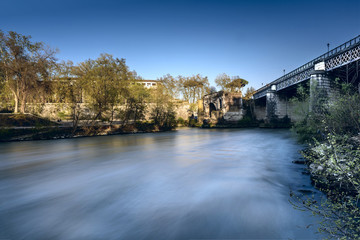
[(186, 184)]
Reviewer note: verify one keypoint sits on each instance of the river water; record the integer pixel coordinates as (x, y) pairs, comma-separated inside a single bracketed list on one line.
[(187, 184)]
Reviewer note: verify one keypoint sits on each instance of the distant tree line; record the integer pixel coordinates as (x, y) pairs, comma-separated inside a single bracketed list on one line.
[(30, 73)]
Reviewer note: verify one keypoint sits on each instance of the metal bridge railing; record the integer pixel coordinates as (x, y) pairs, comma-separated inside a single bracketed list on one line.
[(334, 52)]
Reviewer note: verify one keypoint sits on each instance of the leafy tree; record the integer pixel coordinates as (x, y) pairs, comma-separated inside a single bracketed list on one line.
[(162, 112), (194, 88), (249, 105), (249, 93), (104, 80), (69, 90), (222, 80), (135, 108), (25, 66), (230, 84), (236, 84), (5, 95), (171, 85)]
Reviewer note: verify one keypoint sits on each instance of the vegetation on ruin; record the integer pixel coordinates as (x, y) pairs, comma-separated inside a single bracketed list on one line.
[(230, 84)]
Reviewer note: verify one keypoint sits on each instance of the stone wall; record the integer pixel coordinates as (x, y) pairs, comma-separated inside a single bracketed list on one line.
[(234, 116), (56, 111), (260, 112), (279, 106)]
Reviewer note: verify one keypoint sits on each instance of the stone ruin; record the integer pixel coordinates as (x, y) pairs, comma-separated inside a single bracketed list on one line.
[(223, 106)]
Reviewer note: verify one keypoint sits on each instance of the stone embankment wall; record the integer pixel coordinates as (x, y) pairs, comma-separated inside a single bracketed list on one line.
[(56, 111)]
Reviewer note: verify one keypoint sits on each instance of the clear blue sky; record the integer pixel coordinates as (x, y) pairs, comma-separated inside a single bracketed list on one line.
[(253, 39)]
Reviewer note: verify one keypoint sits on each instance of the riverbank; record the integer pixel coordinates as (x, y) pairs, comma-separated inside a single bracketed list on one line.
[(26, 127), (334, 167), (61, 132)]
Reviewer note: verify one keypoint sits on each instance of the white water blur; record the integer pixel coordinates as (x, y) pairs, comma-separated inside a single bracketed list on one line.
[(189, 184)]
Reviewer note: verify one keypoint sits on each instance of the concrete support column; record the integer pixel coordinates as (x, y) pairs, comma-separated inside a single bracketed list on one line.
[(320, 89)]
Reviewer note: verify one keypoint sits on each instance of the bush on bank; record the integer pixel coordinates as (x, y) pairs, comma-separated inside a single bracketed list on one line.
[(332, 132), (334, 165)]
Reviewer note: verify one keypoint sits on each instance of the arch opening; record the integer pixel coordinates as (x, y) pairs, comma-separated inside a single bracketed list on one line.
[(211, 108)]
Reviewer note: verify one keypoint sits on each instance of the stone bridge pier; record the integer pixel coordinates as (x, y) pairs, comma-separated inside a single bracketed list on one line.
[(321, 88), (278, 106)]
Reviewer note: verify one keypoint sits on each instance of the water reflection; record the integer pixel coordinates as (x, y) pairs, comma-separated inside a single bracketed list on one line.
[(189, 184)]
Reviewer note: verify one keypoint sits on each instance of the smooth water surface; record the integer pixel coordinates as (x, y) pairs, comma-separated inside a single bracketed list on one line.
[(188, 184)]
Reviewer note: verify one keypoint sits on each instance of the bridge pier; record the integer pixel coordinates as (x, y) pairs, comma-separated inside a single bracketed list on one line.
[(276, 105), (321, 90), (272, 99)]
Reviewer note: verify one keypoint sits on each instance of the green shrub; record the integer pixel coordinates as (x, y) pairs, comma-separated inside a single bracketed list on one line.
[(193, 122), (247, 121), (181, 121), (335, 168)]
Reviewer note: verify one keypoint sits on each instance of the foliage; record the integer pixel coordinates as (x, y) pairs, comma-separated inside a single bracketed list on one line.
[(343, 115), (180, 121), (230, 84), (194, 88), (103, 80), (250, 91), (334, 157), (194, 122), (25, 67), (249, 120), (340, 115), (171, 85), (236, 84), (191, 89), (246, 121), (276, 122), (335, 168), (69, 90), (162, 112), (135, 104), (222, 80)]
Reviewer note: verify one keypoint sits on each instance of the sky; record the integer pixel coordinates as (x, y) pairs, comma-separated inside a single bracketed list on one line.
[(254, 39)]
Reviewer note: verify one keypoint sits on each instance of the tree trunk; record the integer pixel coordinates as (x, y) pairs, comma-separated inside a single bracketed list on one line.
[(16, 110), (16, 99), (23, 105)]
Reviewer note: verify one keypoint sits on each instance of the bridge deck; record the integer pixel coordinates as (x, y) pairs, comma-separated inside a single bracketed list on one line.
[(342, 55)]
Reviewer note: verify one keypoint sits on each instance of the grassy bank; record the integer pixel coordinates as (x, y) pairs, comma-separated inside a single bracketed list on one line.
[(16, 127), (23, 120)]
